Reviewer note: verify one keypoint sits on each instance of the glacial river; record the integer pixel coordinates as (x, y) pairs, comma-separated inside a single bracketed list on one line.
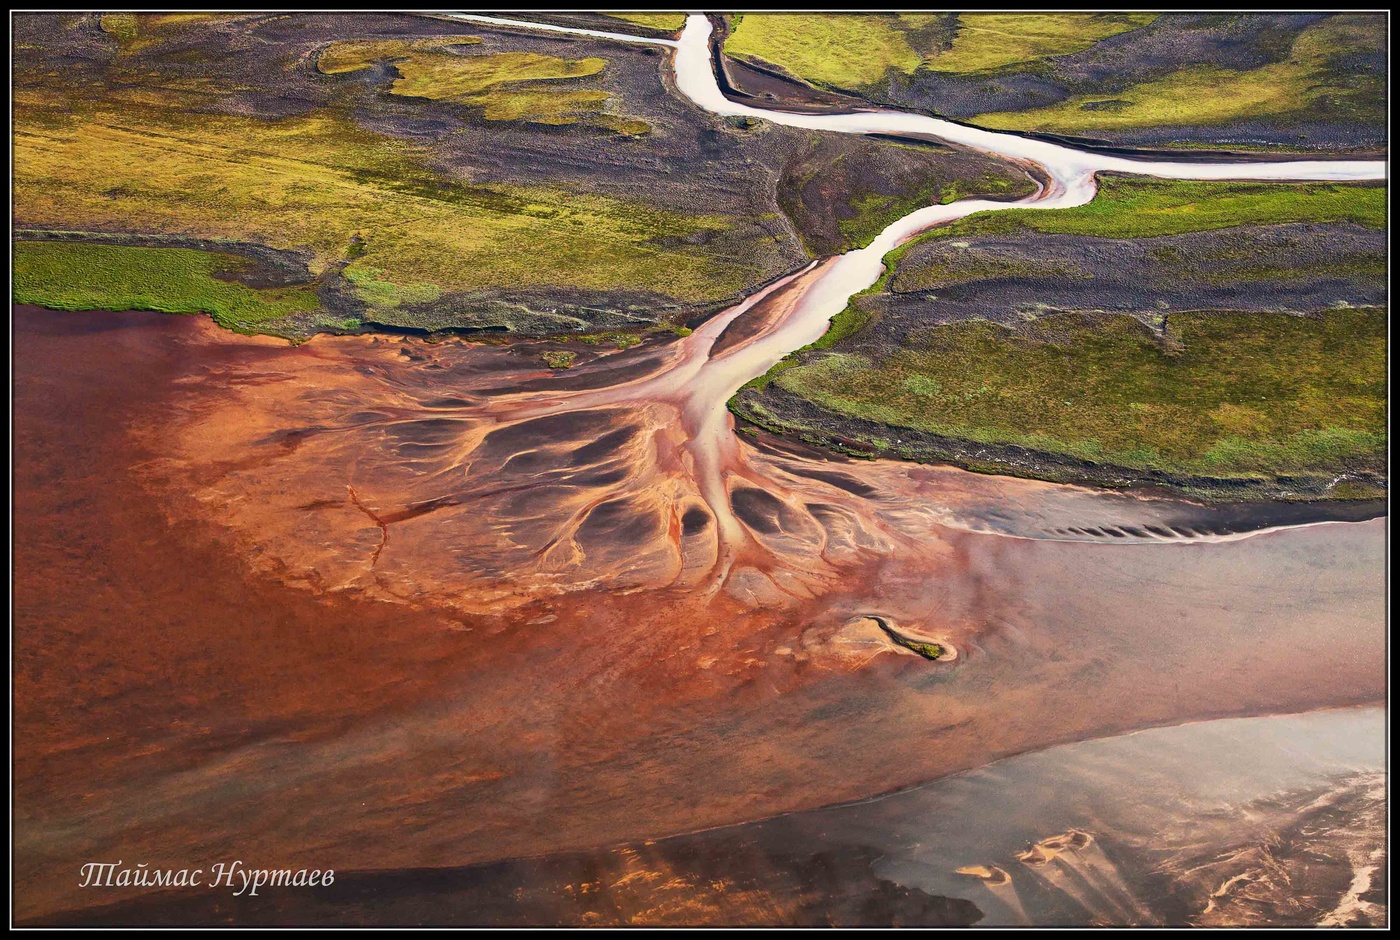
[(417, 605), (1071, 173), (700, 383)]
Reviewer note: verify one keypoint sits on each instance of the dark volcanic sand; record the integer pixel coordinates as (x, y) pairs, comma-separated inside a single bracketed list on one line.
[(375, 698)]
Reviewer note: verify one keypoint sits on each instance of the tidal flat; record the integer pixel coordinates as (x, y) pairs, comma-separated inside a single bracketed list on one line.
[(380, 505), (1139, 829), (377, 665)]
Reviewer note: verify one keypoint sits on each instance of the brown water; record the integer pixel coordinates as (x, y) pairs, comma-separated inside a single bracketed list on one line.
[(376, 603)]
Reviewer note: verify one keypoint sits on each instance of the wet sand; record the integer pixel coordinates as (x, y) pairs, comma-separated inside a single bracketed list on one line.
[(297, 605)]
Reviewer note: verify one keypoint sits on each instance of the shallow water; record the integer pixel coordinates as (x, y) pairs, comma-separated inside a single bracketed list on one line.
[(389, 604), (264, 669), (1277, 820)]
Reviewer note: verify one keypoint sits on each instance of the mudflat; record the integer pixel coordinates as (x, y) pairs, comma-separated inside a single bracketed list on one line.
[(360, 679)]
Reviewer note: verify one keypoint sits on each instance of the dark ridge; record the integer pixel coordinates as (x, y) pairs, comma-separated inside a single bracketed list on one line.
[(398, 329), (1288, 500)]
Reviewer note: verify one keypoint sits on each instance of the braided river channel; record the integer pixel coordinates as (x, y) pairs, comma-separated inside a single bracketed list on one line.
[(506, 645)]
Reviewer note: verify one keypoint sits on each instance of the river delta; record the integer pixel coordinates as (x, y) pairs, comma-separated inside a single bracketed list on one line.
[(518, 599)]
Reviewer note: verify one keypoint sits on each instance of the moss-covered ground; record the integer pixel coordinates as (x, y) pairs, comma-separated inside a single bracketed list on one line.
[(1203, 94), (89, 159), (78, 276), (506, 86), (1229, 394), (1210, 393), (1140, 208), (841, 50), (986, 41), (1318, 81), (666, 21)]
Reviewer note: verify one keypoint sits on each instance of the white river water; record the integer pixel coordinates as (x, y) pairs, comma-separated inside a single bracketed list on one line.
[(700, 384), (1071, 173)]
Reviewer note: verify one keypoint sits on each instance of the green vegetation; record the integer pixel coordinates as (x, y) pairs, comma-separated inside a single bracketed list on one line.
[(841, 50), (134, 32), (841, 197), (855, 317), (876, 211), (96, 158), (669, 22), (382, 295), (761, 382), (1317, 78), (121, 25), (1223, 394), (848, 322), (353, 55), (966, 266), (987, 41), (1214, 393), (926, 650), (1205, 94), (851, 51), (1123, 208), (626, 339), (445, 75), (77, 276), (507, 86), (1138, 208), (558, 359), (615, 338)]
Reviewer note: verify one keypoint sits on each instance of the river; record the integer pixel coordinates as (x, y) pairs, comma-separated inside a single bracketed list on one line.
[(420, 605)]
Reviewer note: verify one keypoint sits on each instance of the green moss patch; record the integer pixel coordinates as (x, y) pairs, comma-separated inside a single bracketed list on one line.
[(506, 86), (1203, 94), (1136, 208), (987, 41), (75, 276), (320, 183), (664, 21), (353, 55), (1220, 393), (840, 50)]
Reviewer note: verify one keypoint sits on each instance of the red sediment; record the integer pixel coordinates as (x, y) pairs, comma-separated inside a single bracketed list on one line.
[(207, 667)]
